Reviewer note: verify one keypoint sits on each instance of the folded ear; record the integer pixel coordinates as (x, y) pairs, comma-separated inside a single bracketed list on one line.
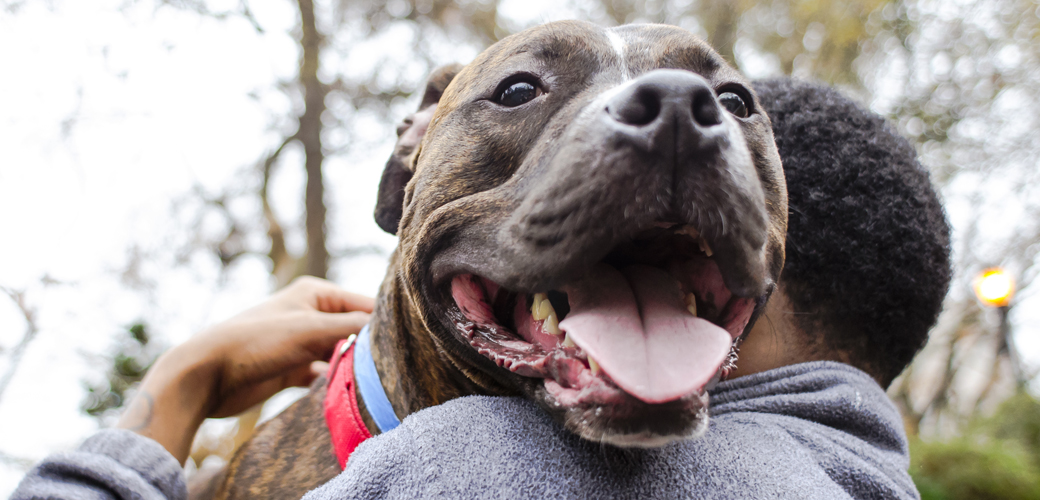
[(401, 165)]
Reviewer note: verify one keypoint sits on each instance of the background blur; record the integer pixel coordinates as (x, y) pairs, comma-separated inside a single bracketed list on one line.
[(168, 163)]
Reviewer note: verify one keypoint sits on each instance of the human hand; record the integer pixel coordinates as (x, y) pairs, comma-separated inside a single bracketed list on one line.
[(236, 364)]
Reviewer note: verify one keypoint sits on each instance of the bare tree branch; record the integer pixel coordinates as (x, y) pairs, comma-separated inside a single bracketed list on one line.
[(247, 13), (31, 331), (283, 264), (19, 462)]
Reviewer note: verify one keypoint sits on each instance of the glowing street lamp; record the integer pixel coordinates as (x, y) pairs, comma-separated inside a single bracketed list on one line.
[(994, 287)]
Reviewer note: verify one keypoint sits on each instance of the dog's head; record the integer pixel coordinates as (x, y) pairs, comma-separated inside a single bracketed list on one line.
[(591, 217)]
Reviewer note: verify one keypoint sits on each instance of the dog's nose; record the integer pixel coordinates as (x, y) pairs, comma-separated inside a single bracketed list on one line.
[(668, 94)]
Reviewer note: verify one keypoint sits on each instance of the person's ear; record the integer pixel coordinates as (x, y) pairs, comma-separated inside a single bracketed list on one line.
[(401, 165)]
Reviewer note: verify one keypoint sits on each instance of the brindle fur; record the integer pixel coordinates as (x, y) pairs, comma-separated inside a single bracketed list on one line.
[(287, 456), (419, 364), (292, 453)]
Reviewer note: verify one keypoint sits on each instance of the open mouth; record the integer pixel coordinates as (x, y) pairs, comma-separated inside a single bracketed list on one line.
[(652, 321)]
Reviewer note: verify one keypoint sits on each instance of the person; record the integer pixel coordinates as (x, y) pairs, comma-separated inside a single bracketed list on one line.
[(803, 416)]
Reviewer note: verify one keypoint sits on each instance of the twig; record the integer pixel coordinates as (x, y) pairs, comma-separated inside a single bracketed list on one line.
[(31, 329), (248, 14), (19, 462)]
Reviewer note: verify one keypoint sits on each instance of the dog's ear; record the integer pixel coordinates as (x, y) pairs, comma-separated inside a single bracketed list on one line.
[(401, 165)]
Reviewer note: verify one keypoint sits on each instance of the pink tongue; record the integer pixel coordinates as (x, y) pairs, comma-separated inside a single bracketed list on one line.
[(635, 325)]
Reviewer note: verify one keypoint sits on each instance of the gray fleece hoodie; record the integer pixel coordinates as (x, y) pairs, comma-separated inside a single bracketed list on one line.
[(818, 430)]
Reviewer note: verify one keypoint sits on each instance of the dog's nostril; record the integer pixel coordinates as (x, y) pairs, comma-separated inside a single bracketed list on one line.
[(640, 109), (705, 109)]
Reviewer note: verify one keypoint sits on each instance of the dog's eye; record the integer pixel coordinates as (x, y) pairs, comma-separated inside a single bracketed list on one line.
[(517, 94), (734, 104)]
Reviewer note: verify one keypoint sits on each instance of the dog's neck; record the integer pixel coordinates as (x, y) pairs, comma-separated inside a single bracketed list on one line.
[(413, 372)]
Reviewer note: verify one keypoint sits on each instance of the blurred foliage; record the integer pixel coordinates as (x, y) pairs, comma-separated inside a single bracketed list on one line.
[(1017, 420), (997, 458), (132, 355)]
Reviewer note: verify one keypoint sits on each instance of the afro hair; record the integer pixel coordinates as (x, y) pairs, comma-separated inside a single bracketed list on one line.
[(868, 242)]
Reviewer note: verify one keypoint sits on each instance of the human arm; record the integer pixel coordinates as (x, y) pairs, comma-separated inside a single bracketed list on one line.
[(236, 364), (219, 372)]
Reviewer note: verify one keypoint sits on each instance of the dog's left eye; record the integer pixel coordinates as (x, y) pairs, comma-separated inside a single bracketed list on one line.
[(517, 94), (734, 104)]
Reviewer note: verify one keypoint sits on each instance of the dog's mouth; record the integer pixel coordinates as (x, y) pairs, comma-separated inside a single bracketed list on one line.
[(651, 324)]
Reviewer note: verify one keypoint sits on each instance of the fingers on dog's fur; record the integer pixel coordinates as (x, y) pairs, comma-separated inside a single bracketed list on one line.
[(326, 296)]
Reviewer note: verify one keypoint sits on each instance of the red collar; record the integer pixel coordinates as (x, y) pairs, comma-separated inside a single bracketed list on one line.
[(342, 414)]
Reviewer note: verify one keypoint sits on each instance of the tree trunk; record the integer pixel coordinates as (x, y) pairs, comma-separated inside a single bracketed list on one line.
[(722, 19), (309, 134)]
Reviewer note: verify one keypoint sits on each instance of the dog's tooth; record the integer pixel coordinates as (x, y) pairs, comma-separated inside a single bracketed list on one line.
[(538, 310), (551, 325), (545, 310), (688, 230), (593, 365), (567, 342), (703, 243), (691, 304)]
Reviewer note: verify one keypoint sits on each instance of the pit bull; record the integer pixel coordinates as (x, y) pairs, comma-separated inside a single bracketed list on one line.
[(588, 217)]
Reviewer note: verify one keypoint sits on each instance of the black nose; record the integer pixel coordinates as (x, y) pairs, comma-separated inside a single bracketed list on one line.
[(666, 93)]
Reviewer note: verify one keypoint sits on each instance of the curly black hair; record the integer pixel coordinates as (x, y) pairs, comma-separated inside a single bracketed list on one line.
[(868, 242)]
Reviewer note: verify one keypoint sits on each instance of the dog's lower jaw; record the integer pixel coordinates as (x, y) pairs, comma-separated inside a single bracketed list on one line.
[(647, 439), (598, 426), (416, 368)]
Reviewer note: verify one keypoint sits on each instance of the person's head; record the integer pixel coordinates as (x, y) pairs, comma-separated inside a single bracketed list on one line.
[(868, 243)]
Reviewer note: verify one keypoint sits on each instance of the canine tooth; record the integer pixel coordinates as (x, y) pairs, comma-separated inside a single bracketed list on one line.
[(538, 310), (593, 365), (691, 304), (545, 310), (551, 325), (704, 246), (567, 342)]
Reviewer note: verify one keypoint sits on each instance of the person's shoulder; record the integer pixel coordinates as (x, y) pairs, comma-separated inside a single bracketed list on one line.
[(828, 417)]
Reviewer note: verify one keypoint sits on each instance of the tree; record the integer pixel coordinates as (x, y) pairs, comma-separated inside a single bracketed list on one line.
[(970, 103)]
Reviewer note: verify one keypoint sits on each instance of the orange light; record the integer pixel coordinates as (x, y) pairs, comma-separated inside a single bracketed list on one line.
[(994, 287)]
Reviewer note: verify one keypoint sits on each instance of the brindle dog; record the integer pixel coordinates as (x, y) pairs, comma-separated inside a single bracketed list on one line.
[(590, 218)]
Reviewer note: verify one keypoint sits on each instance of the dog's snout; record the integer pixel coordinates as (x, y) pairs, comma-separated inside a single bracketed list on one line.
[(640, 106), (668, 93), (705, 109)]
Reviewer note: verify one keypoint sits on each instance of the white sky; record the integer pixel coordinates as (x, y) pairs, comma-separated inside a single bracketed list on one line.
[(106, 116)]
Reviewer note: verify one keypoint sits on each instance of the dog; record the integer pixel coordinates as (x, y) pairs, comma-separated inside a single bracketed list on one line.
[(591, 218)]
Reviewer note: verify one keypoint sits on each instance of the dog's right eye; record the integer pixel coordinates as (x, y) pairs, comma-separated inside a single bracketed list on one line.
[(517, 94), (734, 104)]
